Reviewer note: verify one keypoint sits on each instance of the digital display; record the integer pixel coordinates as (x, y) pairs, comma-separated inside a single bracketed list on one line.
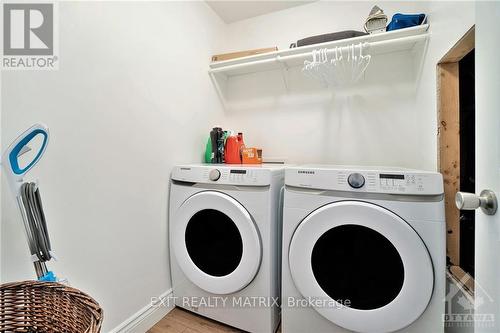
[(241, 172), (387, 176)]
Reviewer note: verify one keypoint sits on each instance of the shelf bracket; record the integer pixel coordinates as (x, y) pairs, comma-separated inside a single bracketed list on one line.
[(419, 51), (219, 81), (284, 72)]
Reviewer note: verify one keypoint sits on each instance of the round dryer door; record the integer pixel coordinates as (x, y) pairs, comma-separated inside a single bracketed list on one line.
[(216, 242), (362, 267)]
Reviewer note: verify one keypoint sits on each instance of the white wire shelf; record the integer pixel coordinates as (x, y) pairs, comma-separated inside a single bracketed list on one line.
[(382, 43), (409, 39)]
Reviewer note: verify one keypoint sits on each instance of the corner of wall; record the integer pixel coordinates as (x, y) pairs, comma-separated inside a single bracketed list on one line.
[(148, 316)]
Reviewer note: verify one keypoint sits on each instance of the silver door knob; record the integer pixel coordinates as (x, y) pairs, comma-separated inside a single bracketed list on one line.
[(487, 200)]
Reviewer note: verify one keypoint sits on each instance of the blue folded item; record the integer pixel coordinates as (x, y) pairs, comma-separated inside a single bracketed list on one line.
[(400, 21), (49, 277)]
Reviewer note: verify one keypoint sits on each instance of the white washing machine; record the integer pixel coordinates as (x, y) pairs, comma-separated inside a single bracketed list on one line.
[(364, 250), (225, 224)]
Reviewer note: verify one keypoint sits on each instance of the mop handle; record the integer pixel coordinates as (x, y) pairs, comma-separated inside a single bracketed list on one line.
[(28, 196), (18, 147)]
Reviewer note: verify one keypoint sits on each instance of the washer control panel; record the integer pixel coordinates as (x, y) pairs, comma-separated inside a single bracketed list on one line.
[(374, 181), (399, 182), (224, 175), (241, 176), (231, 176)]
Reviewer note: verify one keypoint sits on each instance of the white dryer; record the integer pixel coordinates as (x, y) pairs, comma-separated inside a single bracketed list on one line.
[(363, 250), (224, 243)]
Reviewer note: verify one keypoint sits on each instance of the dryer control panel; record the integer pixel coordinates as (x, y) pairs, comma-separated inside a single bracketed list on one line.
[(387, 180)]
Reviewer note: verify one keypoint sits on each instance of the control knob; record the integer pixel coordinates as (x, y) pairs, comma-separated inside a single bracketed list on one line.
[(214, 175), (356, 180)]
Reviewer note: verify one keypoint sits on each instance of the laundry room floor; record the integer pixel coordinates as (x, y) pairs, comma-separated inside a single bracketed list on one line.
[(182, 321)]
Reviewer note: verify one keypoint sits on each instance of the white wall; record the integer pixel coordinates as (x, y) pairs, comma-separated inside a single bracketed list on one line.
[(131, 98), (389, 119), (449, 22)]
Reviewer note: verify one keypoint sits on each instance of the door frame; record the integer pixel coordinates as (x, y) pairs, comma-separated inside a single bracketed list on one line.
[(448, 111)]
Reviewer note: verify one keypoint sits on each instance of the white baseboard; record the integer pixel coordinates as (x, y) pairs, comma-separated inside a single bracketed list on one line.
[(146, 317)]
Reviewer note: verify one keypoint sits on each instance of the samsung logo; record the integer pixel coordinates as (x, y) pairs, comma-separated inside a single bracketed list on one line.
[(185, 169), (306, 172)]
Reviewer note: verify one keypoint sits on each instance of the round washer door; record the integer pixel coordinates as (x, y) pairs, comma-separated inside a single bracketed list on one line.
[(361, 266), (216, 242)]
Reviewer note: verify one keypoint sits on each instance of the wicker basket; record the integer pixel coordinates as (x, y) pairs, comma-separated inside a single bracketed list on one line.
[(47, 307)]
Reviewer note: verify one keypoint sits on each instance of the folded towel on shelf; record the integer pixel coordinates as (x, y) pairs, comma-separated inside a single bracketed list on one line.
[(330, 37)]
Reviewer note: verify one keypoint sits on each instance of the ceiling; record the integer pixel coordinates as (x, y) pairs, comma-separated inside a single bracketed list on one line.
[(236, 10)]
